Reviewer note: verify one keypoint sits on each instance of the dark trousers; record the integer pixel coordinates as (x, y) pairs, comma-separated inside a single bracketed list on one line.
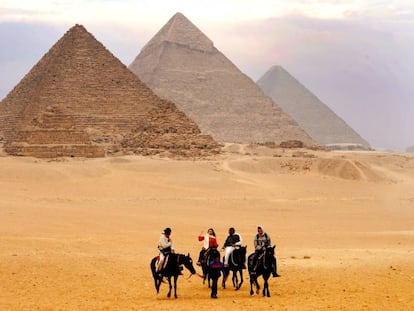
[(214, 287)]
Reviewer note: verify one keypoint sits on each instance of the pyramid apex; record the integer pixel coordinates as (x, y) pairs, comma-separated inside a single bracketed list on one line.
[(77, 27), (276, 68), (180, 30), (178, 15)]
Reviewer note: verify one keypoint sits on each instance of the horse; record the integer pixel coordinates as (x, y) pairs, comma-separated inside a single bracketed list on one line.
[(237, 262), (172, 269), (205, 260), (263, 267)]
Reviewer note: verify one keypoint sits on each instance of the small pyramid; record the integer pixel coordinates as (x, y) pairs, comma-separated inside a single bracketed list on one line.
[(181, 64), (79, 100), (317, 119)]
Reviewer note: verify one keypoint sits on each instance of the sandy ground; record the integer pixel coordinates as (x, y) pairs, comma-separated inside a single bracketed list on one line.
[(79, 234)]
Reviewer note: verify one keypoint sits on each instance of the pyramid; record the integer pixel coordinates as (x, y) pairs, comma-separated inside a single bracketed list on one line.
[(79, 100), (317, 119), (181, 64)]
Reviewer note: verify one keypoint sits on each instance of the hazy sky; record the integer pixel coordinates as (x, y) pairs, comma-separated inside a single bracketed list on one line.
[(356, 56)]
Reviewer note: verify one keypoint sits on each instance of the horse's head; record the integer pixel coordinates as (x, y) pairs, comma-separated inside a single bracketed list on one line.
[(214, 253), (188, 263), (243, 250), (270, 250)]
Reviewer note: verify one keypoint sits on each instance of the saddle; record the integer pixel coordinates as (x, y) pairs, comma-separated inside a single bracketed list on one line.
[(166, 258), (255, 261)]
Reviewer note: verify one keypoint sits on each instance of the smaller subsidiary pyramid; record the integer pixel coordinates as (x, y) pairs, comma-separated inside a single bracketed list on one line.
[(79, 100), (180, 63), (317, 119)]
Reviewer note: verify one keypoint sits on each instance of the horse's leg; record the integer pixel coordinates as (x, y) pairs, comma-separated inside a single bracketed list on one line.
[(266, 286), (234, 279), (170, 287), (175, 285), (155, 276), (157, 283), (257, 285), (241, 279), (253, 281), (204, 273), (223, 283)]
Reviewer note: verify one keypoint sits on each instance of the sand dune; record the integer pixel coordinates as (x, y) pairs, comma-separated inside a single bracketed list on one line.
[(79, 234)]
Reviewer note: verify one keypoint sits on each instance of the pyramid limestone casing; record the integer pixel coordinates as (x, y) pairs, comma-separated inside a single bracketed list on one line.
[(79, 100), (317, 119), (181, 64)]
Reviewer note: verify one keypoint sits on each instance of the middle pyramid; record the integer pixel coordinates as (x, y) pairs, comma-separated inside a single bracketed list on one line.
[(181, 64)]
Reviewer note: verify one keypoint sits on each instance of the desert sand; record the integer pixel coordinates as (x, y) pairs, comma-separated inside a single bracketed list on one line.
[(79, 234)]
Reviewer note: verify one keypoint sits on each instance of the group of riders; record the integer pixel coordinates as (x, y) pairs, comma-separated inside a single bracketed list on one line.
[(233, 242)]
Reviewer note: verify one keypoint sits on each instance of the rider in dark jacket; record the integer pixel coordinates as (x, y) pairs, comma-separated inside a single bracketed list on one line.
[(233, 241)]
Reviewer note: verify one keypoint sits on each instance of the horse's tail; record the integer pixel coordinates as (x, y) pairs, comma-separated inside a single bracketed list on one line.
[(153, 267)]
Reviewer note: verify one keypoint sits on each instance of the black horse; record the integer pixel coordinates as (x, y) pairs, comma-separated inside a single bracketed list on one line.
[(264, 267), (205, 260), (173, 269), (237, 262)]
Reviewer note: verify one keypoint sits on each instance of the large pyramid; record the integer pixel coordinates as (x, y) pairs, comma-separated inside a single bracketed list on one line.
[(79, 100), (320, 122), (181, 64)]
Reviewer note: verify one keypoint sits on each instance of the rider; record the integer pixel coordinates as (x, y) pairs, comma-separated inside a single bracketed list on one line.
[(233, 241), (209, 241), (164, 246), (261, 242)]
